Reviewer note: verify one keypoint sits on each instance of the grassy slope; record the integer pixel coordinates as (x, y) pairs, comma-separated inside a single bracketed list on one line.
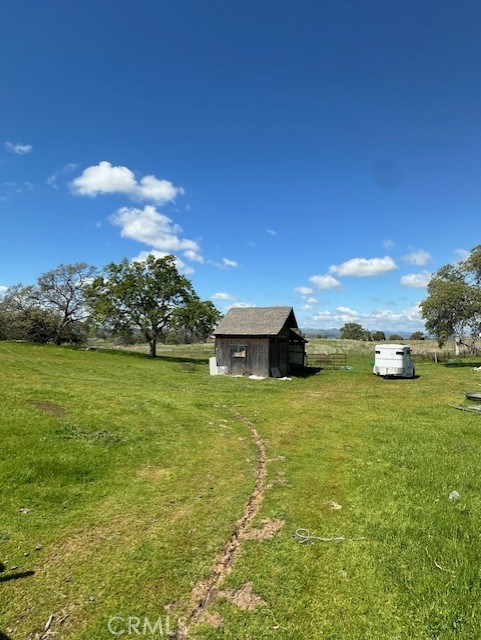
[(133, 489), (128, 491)]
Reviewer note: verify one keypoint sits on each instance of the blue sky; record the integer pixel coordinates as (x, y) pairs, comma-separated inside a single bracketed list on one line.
[(324, 155)]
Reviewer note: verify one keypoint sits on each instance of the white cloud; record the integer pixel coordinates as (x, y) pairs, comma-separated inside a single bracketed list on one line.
[(416, 279), (312, 300), (229, 264), (419, 258), (325, 282), (222, 296), (107, 179), (151, 227), (379, 319), (160, 191), (52, 180), (181, 266), (193, 255), (18, 148), (304, 291), (104, 178), (346, 311), (3, 288), (271, 232), (226, 263), (388, 244), (361, 267)]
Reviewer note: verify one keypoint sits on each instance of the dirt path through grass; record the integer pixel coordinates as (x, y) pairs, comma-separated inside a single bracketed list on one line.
[(205, 591)]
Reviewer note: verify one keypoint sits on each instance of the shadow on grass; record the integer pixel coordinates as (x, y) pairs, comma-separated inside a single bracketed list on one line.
[(146, 356), (399, 378), (463, 364), (4, 637), (16, 576), (305, 372)]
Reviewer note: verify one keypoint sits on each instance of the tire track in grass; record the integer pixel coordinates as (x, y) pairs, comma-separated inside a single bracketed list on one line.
[(205, 591)]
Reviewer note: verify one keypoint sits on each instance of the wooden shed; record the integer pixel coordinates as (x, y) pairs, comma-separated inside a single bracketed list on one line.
[(263, 341)]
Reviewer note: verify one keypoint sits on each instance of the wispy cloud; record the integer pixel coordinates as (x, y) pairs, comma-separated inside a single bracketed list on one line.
[(304, 291), (52, 180), (228, 264), (271, 232), (221, 295), (242, 305), (155, 229), (13, 188), (388, 244), (361, 267), (419, 258), (415, 280), (107, 179), (18, 148), (325, 282)]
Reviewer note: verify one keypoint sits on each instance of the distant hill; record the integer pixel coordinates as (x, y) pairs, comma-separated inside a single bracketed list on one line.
[(325, 333), (336, 333)]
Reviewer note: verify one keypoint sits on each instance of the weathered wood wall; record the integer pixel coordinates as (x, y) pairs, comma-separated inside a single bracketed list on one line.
[(256, 360), (262, 354)]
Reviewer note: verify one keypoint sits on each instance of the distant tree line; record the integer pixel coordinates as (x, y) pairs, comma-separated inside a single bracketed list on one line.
[(355, 331), (130, 301)]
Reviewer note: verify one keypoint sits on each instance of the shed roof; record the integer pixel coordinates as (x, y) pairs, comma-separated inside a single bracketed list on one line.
[(256, 321)]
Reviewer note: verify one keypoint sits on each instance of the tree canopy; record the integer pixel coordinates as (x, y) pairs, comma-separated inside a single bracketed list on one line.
[(62, 291), (417, 335), (51, 310), (354, 331), (196, 319), (453, 306), (150, 296)]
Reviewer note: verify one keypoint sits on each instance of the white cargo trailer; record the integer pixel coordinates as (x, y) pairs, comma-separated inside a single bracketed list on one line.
[(393, 360)]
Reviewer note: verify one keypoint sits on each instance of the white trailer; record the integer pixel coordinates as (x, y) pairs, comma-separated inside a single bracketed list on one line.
[(393, 360)]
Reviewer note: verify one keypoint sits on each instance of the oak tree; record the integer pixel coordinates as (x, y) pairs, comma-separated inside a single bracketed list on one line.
[(142, 295), (452, 308)]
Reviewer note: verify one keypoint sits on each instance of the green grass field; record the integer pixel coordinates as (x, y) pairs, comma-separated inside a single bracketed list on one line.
[(122, 479)]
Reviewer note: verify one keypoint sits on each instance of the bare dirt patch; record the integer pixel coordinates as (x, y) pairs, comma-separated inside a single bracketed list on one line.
[(212, 619), (243, 597), (277, 459), (55, 410), (269, 530)]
